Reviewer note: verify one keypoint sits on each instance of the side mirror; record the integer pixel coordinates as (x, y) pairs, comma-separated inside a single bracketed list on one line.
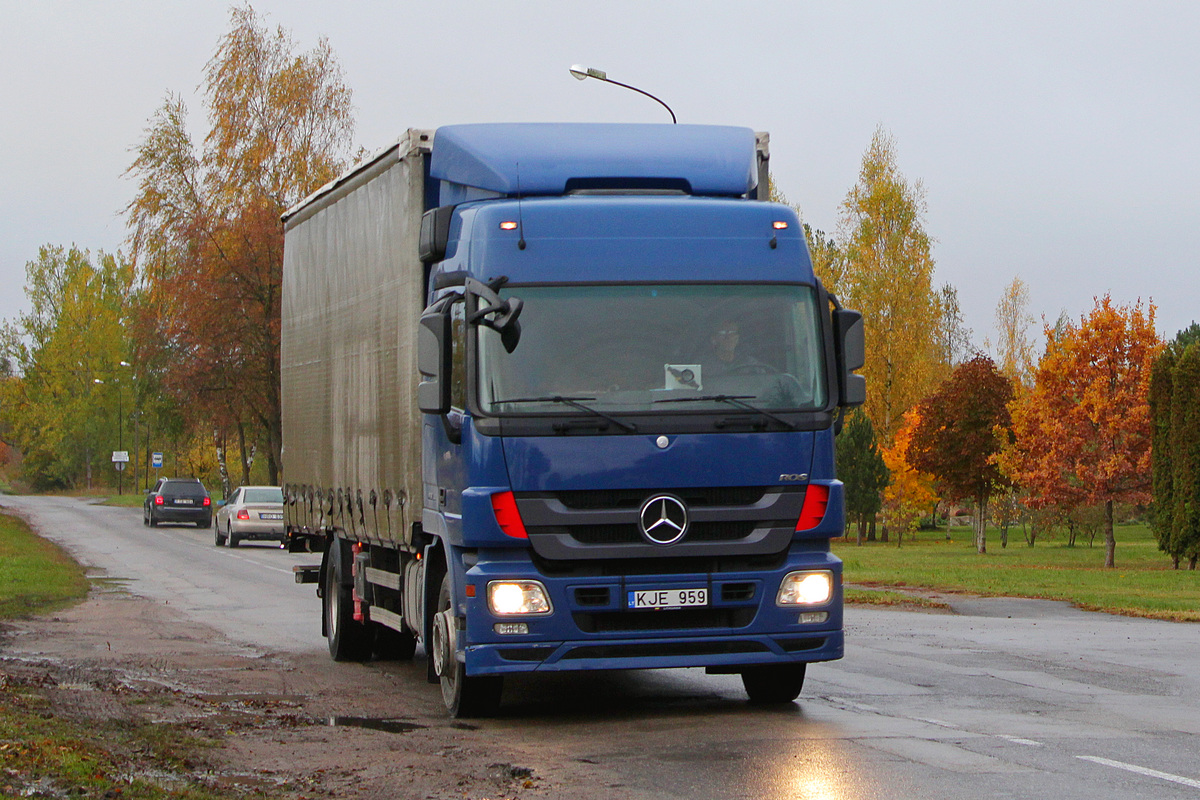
[(435, 234), (433, 360), (851, 355), (506, 311)]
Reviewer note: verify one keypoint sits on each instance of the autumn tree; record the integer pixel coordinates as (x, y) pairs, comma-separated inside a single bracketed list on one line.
[(954, 337), (910, 492), (861, 468), (205, 225), (887, 276), (61, 407), (1013, 347), (828, 261), (961, 429), (1082, 433)]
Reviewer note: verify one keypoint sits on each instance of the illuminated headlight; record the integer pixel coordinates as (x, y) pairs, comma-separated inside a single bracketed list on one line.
[(805, 589), (518, 597)]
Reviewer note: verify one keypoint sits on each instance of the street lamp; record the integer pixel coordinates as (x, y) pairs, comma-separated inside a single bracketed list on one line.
[(581, 72)]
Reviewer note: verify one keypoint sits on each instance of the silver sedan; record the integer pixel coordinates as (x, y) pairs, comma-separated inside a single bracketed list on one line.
[(251, 512)]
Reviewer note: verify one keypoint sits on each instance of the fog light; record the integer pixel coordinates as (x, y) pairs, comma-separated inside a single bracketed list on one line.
[(510, 628), (814, 617), (518, 597), (805, 589)]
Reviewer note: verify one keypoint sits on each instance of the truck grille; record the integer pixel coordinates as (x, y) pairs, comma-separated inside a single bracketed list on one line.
[(633, 498), (629, 534), (674, 620)]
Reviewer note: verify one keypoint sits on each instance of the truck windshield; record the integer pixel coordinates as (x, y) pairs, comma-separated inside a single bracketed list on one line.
[(629, 348)]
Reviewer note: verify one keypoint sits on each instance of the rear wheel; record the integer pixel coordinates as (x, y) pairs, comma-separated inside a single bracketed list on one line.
[(348, 639), (464, 695), (773, 683), (218, 537), (233, 539), (153, 521)]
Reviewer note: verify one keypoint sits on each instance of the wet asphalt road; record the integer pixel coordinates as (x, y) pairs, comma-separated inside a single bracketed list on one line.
[(1002, 699)]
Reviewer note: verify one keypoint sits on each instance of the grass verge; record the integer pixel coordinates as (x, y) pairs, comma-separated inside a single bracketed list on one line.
[(1143, 584), (35, 574), (48, 751), (46, 755)]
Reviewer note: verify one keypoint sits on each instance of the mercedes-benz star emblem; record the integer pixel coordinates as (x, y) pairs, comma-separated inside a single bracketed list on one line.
[(663, 519)]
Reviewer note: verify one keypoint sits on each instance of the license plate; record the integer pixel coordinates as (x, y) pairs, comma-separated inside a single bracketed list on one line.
[(269, 515), (668, 598), (183, 501)]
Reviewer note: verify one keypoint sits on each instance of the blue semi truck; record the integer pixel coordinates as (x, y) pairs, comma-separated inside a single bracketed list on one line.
[(564, 397)]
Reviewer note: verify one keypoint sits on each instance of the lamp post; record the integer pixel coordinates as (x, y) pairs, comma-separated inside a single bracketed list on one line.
[(581, 73)]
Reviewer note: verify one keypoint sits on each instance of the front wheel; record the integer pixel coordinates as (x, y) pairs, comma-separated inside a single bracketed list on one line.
[(773, 683), (464, 695)]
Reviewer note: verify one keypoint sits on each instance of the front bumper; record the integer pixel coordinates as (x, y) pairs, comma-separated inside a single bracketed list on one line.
[(590, 626)]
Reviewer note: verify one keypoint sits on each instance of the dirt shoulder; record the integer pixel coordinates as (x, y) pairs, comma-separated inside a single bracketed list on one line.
[(293, 725)]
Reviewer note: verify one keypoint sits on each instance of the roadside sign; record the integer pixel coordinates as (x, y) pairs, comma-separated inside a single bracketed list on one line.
[(156, 460), (120, 456), (120, 465)]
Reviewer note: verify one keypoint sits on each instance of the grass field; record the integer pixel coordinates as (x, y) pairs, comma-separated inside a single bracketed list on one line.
[(35, 575), (1143, 584)]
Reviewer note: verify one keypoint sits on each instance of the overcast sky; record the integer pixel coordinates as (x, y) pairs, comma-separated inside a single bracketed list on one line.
[(1058, 142)]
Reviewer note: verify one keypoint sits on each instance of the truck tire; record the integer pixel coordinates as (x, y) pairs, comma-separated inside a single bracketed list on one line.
[(464, 695), (773, 683), (348, 639)]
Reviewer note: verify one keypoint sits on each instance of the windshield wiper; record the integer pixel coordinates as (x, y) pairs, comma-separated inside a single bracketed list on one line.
[(733, 400), (573, 402)]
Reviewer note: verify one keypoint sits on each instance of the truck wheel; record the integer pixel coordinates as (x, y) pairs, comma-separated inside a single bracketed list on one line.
[(773, 683), (464, 695), (392, 645), (348, 640)]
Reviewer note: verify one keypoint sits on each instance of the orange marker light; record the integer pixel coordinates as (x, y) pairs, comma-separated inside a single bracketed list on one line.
[(779, 225), (508, 225)]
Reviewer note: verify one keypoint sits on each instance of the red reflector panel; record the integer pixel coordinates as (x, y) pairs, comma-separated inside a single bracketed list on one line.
[(243, 514), (816, 498), (504, 506)]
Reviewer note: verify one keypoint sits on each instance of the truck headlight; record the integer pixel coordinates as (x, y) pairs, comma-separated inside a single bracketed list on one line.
[(517, 597), (805, 589)]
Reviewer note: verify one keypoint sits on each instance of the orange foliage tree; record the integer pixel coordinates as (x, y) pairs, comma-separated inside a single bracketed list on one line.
[(1081, 435), (911, 493), (205, 227), (961, 429)]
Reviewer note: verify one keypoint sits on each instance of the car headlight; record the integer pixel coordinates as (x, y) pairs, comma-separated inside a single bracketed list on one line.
[(517, 597), (805, 589)]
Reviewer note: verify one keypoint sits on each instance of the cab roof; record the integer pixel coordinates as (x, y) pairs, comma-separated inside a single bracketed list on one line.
[(525, 159)]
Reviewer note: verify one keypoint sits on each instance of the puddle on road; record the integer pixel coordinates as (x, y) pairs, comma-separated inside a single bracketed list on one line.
[(387, 725)]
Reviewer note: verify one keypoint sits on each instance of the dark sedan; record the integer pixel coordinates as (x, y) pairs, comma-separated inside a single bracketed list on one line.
[(177, 500)]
